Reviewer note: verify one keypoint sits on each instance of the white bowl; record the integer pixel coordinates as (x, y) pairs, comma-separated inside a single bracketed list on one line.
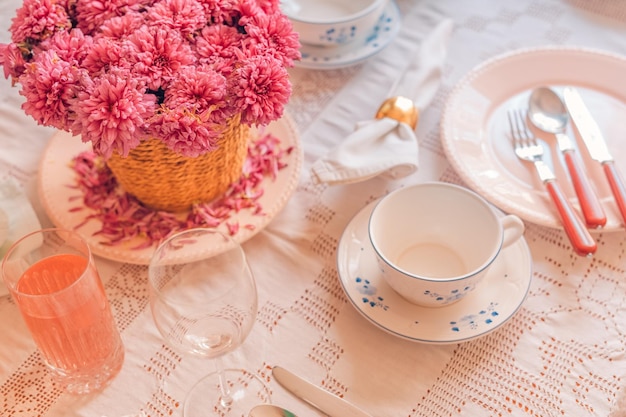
[(332, 22)]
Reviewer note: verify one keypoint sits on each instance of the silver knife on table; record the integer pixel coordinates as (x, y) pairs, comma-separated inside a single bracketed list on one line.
[(596, 145), (326, 402)]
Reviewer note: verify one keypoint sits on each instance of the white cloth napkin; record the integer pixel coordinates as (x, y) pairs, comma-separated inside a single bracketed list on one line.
[(17, 217), (386, 146)]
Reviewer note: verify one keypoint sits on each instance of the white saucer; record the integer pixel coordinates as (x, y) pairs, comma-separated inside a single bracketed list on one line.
[(56, 177), (495, 300), (320, 57)]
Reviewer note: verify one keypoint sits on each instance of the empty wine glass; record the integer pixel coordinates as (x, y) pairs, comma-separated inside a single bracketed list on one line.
[(203, 299)]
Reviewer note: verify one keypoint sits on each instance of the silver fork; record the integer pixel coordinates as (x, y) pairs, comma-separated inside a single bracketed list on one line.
[(528, 148)]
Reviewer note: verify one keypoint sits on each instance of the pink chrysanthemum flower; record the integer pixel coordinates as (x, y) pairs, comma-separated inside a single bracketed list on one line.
[(111, 112), (92, 14), (158, 53), (261, 88), (219, 11), (48, 85), (70, 46), (12, 59), (185, 132), (121, 27), (196, 87), (107, 53), (274, 36), (38, 19), (187, 16), (269, 6), (249, 8), (218, 42)]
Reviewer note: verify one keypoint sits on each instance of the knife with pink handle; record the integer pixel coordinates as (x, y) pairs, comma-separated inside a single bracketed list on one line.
[(596, 145), (547, 112)]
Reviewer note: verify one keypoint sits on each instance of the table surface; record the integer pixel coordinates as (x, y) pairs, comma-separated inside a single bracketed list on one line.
[(561, 354)]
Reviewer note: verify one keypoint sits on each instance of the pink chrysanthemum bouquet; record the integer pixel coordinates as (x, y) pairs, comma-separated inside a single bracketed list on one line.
[(164, 90), (124, 71)]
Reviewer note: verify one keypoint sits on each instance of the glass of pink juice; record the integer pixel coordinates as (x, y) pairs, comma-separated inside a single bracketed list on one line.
[(52, 278)]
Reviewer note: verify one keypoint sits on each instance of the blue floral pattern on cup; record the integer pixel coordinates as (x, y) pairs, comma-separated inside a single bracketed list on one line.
[(339, 35), (454, 295)]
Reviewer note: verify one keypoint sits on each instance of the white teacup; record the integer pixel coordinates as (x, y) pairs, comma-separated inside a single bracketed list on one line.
[(333, 22), (435, 241)]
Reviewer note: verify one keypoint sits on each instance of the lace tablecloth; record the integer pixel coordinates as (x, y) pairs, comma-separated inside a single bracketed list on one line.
[(562, 354)]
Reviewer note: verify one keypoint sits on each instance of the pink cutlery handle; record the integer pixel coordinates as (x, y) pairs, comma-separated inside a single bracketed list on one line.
[(589, 203), (617, 186), (579, 236)]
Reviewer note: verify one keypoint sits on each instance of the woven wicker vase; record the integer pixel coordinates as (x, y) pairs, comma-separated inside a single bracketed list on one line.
[(163, 180)]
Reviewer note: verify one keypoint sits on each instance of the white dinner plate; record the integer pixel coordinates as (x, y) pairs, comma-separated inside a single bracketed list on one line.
[(56, 178), (494, 301), (474, 127), (331, 57)]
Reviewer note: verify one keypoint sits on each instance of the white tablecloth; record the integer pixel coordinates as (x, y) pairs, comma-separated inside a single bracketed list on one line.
[(562, 354)]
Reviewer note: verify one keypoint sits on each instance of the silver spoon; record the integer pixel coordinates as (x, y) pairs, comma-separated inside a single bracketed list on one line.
[(548, 113), (269, 410)]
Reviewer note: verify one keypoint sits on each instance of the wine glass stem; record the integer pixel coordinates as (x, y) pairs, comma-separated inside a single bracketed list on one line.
[(227, 398)]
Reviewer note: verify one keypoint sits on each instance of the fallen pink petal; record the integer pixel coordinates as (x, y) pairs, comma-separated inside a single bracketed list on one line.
[(124, 218)]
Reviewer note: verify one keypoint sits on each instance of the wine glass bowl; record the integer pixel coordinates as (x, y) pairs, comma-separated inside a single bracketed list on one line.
[(204, 303)]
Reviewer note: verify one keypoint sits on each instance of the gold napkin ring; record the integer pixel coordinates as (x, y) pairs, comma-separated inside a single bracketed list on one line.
[(401, 109)]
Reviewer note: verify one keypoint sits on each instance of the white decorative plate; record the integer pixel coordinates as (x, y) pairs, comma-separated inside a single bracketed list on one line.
[(494, 301), (474, 127), (56, 175), (326, 57)]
